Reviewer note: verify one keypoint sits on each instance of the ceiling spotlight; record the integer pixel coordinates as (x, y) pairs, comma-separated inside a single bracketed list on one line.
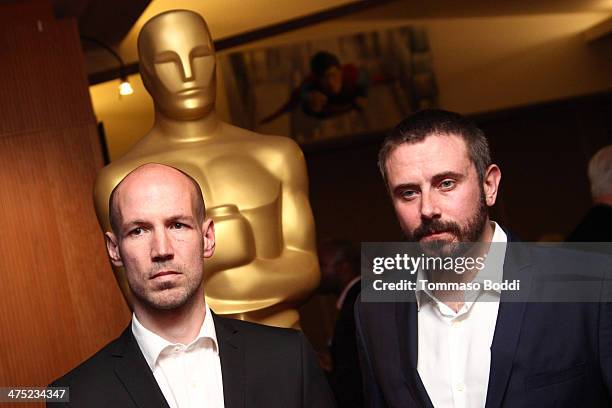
[(125, 88)]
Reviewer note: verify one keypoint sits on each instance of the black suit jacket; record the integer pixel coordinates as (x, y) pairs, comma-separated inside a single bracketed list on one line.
[(542, 355), (345, 377), (596, 226), (261, 366)]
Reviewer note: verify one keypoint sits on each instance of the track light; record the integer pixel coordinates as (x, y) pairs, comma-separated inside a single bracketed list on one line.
[(124, 85)]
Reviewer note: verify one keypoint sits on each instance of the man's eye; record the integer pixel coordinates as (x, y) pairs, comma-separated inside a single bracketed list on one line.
[(177, 225), (447, 184), (136, 231), (408, 194)]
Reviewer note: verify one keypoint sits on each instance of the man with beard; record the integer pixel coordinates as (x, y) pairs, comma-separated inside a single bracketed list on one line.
[(455, 349), (176, 352)]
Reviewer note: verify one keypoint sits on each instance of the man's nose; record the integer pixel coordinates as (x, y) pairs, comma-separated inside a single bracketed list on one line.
[(161, 248), (429, 206)]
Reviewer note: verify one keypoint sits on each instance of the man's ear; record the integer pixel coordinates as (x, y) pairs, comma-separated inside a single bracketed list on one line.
[(208, 233), (112, 247), (492, 177)]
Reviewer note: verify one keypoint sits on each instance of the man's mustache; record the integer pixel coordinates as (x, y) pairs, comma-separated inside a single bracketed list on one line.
[(436, 226)]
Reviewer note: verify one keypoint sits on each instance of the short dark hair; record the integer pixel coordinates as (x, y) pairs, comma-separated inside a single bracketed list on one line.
[(114, 215), (429, 122), (321, 61)]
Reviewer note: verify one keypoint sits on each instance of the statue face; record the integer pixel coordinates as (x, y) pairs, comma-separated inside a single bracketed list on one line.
[(178, 64)]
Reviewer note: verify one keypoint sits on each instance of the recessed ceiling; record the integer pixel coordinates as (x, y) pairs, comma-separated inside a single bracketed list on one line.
[(117, 22)]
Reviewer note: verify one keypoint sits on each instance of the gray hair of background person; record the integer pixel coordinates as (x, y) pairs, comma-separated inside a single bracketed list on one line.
[(600, 172)]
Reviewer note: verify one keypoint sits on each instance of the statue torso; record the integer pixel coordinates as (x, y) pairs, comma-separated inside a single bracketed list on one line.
[(240, 173)]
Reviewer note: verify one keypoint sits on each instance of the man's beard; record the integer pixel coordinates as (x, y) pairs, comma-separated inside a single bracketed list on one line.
[(467, 235)]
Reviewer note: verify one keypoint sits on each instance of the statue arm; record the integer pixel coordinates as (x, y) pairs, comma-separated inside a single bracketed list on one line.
[(298, 227), (289, 277)]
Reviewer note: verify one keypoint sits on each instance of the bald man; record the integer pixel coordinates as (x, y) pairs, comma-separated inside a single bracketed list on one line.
[(176, 352)]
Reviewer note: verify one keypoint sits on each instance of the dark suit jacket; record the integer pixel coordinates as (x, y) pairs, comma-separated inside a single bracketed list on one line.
[(542, 355), (261, 366), (345, 378), (596, 226)]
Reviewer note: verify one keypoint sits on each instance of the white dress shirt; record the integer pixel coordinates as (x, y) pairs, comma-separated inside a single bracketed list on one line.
[(188, 375), (454, 348)]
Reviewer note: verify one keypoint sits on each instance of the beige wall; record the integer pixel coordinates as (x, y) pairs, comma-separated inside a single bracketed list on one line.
[(492, 63), (481, 63), (127, 118)]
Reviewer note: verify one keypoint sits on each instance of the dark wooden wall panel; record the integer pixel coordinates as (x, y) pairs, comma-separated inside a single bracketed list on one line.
[(348, 197), (43, 82), (59, 301), (543, 152)]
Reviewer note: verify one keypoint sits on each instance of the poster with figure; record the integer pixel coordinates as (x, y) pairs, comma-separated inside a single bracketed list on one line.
[(331, 87)]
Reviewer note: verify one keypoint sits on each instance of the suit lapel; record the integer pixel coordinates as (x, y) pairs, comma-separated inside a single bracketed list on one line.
[(407, 324), (231, 354), (508, 325), (135, 374)]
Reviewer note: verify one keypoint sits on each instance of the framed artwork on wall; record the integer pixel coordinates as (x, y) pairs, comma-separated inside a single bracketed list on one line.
[(329, 88)]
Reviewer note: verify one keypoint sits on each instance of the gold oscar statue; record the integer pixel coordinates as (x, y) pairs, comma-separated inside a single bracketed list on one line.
[(255, 186)]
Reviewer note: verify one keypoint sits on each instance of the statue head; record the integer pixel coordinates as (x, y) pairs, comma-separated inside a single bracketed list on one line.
[(177, 64)]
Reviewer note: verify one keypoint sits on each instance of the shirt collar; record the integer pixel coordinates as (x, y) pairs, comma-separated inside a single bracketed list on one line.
[(494, 264), (493, 269), (151, 344)]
